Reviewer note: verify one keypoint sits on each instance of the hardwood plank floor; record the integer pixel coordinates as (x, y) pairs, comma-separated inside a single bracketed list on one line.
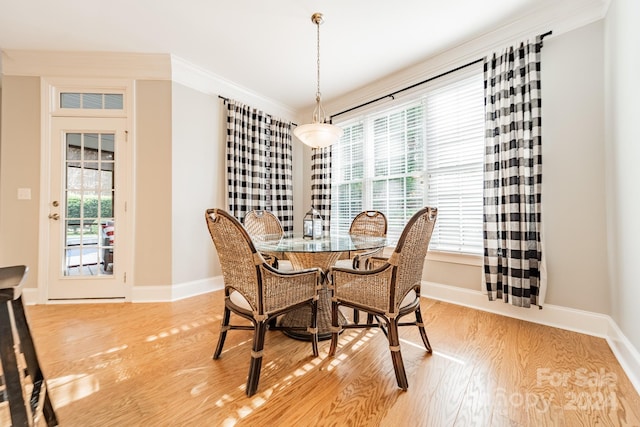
[(150, 365)]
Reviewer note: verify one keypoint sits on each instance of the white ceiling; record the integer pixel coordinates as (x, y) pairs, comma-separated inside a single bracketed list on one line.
[(269, 47)]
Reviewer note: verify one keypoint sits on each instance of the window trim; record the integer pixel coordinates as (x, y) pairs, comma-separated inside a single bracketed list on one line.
[(463, 258)]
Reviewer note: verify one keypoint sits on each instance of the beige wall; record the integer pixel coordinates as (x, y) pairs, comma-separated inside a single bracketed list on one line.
[(454, 274), (20, 168), (153, 174), (198, 181), (623, 153), (573, 190)]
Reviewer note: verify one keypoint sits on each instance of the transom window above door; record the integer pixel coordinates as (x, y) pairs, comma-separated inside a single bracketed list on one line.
[(92, 101), (104, 98)]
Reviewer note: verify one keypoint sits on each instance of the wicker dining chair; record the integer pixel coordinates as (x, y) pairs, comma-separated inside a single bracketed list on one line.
[(369, 223), (256, 291), (389, 291), (260, 223)]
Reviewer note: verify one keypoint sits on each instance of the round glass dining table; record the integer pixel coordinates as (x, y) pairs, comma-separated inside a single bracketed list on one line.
[(321, 252)]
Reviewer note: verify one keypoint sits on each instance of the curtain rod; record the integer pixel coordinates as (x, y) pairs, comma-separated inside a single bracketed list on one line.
[(392, 94), (227, 100)]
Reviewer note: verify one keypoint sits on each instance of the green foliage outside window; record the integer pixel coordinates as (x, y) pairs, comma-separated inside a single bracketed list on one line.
[(87, 208)]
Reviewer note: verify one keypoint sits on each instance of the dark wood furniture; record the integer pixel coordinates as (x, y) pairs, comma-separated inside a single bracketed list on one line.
[(16, 377)]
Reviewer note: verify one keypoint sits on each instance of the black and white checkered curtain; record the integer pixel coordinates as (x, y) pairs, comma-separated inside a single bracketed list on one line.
[(282, 173), (513, 258), (259, 163), (321, 183)]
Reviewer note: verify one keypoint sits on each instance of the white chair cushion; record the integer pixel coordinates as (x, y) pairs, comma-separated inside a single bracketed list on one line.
[(344, 263), (285, 265), (237, 298), (411, 296)]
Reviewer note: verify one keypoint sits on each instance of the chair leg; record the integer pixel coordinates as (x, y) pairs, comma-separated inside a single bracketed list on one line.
[(356, 316), (256, 358), (223, 332), (33, 365), (334, 328), (423, 333), (314, 327), (396, 356), (273, 322), (13, 392), (49, 414)]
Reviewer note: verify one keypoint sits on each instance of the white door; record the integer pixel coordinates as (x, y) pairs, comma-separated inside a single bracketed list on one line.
[(87, 210)]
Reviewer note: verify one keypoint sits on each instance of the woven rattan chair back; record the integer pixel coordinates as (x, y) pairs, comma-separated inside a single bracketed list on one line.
[(236, 254), (410, 252), (369, 223), (261, 222)]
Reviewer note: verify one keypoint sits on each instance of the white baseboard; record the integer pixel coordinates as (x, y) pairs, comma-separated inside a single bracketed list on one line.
[(161, 293), (595, 324), (176, 292), (30, 296), (551, 315), (627, 355)]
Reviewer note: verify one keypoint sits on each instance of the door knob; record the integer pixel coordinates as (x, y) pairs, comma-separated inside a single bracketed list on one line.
[(54, 216)]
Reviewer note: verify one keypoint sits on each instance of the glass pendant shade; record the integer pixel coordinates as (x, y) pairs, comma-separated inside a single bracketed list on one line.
[(318, 135)]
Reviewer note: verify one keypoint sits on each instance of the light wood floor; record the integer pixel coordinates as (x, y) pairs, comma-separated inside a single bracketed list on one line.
[(150, 365)]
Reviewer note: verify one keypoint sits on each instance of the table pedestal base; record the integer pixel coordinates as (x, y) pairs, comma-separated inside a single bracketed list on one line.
[(323, 260), (302, 316)]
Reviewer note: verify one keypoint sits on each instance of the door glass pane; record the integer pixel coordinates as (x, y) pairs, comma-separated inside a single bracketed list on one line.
[(89, 194)]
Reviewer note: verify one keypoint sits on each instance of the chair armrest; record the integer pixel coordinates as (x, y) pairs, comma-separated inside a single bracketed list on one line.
[(283, 289), (368, 288), (361, 259), (376, 262)]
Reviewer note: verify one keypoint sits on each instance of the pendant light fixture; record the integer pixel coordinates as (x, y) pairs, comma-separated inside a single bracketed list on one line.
[(318, 134)]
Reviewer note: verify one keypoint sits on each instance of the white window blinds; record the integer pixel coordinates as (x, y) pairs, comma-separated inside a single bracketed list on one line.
[(428, 151), (347, 197), (455, 135), (397, 165)]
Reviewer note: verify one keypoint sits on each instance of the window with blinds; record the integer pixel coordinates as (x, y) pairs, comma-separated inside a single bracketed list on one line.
[(425, 152)]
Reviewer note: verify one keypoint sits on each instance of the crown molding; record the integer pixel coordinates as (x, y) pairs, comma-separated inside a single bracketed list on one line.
[(141, 66), (201, 80)]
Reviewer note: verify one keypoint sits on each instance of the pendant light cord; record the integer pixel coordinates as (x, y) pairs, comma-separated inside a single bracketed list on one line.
[(319, 116), (318, 60)]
